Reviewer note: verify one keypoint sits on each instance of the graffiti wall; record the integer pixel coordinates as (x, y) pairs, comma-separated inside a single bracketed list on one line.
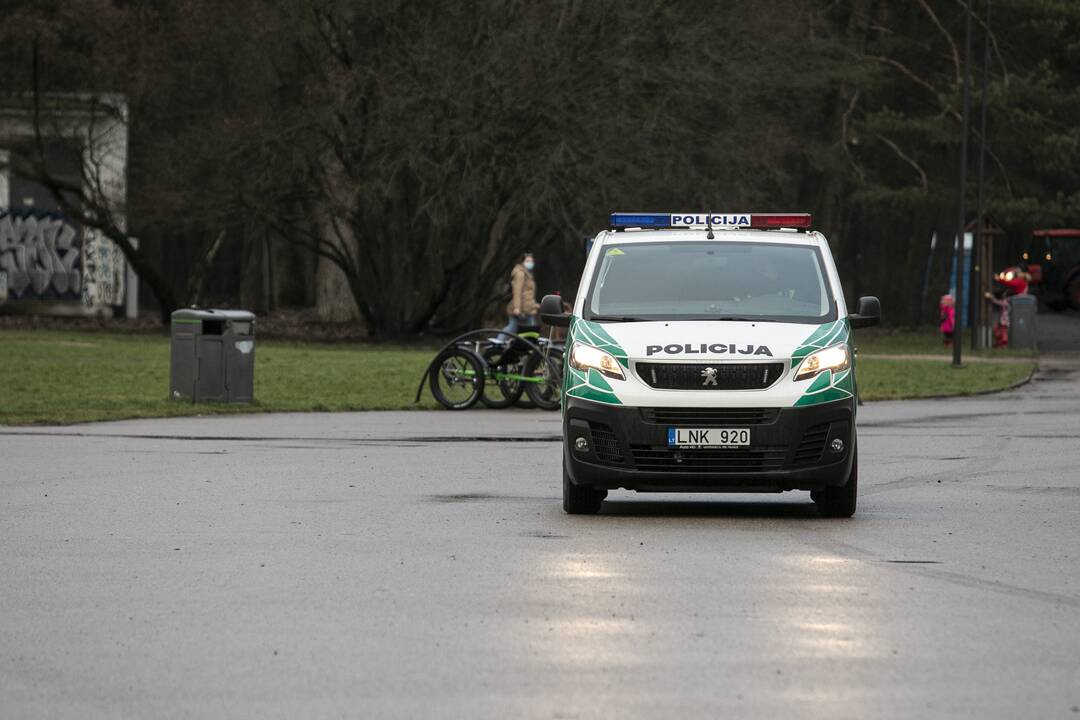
[(104, 270), (46, 257)]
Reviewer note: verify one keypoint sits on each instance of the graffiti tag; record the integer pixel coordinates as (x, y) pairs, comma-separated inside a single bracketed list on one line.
[(41, 255)]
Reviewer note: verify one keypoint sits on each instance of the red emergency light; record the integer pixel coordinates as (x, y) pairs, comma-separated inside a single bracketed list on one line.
[(780, 220)]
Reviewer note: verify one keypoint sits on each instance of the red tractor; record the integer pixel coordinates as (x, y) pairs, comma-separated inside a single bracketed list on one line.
[(1054, 265)]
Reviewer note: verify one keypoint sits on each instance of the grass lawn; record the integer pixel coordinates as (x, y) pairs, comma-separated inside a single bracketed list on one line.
[(925, 341), (881, 379), (69, 377)]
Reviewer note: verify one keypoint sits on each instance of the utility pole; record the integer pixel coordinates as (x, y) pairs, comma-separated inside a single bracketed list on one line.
[(980, 228), (961, 219)]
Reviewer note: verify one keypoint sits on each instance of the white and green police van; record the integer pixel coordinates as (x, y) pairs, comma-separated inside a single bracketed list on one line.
[(710, 353)]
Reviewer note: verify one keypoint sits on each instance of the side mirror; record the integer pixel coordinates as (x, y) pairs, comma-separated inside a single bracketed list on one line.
[(867, 312), (551, 311)]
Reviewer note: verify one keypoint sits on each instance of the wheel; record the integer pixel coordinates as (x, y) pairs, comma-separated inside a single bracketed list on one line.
[(457, 378), (545, 391), (839, 502), (500, 393), (579, 499), (1072, 293)]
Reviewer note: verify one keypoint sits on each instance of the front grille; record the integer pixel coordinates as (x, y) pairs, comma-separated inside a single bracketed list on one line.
[(676, 461), (709, 417), (812, 445), (605, 446), (696, 376)]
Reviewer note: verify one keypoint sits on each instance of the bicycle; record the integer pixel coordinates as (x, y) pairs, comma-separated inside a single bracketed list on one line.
[(496, 368)]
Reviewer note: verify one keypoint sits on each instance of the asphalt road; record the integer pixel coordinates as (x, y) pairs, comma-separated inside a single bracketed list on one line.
[(419, 565), (1058, 331)]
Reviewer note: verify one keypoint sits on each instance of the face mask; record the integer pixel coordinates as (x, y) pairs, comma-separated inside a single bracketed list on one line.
[(529, 265)]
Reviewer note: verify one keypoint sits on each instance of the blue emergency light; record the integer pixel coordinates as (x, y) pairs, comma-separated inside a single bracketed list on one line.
[(701, 221)]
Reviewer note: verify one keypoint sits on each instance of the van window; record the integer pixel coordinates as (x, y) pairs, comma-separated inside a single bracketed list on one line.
[(711, 280)]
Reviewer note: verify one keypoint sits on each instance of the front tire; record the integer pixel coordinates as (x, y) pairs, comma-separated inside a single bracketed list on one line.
[(457, 378), (499, 394), (580, 499), (840, 501), (547, 393), (1072, 293)]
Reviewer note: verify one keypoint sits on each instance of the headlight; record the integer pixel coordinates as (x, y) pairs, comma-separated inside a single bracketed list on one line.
[(833, 358), (586, 357)]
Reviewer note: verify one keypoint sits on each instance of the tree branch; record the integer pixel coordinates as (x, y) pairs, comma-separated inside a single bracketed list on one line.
[(911, 76), (945, 33), (844, 124), (906, 158), (90, 211), (993, 43)]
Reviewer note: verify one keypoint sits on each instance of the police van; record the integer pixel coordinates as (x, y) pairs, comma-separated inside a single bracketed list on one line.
[(710, 353)]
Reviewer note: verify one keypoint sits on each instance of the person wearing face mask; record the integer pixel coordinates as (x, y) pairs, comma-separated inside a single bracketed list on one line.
[(523, 306)]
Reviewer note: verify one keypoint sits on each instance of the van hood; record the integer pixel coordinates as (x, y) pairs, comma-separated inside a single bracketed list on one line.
[(707, 340), (712, 342)]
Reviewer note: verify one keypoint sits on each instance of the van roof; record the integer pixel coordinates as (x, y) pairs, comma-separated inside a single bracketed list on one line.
[(786, 236)]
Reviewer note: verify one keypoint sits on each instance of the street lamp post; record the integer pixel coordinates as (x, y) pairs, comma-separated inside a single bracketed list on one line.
[(980, 227), (961, 199)]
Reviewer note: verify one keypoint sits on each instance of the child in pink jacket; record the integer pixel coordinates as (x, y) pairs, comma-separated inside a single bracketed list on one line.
[(948, 318)]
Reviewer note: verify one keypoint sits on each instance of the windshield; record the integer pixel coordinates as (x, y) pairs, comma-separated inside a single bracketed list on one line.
[(691, 280)]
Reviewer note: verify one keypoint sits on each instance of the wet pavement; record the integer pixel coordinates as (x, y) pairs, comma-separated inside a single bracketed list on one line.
[(1058, 331), (419, 565)]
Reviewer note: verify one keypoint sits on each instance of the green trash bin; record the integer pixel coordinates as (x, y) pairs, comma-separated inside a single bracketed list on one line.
[(212, 356)]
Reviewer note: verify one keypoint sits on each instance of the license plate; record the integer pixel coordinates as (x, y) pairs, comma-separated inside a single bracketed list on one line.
[(708, 437)]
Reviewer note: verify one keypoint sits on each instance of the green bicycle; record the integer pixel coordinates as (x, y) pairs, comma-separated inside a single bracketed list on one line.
[(497, 369)]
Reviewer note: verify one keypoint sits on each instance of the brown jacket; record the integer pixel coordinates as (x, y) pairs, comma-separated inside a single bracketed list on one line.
[(522, 292)]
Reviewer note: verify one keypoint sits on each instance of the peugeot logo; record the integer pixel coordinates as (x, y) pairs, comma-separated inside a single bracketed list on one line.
[(709, 374)]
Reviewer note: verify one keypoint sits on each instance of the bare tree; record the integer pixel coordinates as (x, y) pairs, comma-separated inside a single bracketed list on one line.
[(448, 140)]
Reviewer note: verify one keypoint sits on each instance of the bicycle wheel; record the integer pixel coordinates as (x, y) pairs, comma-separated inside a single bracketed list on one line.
[(457, 378), (500, 391), (543, 386)]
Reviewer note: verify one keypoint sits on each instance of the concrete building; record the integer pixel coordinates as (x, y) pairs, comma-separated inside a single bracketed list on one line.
[(49, 263)]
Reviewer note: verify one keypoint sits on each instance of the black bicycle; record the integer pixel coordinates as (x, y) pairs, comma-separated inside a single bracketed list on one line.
[(496, 368)]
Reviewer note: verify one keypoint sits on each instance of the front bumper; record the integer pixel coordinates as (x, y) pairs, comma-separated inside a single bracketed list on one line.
[(627, 448)]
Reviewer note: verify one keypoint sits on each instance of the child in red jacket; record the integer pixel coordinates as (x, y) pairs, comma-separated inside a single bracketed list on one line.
[(1001, 327)]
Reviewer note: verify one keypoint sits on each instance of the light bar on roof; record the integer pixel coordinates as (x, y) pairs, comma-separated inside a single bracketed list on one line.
[(705, 220), (780, 220)]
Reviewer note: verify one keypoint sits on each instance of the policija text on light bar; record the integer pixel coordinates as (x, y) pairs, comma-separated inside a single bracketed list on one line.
[(710, 220)]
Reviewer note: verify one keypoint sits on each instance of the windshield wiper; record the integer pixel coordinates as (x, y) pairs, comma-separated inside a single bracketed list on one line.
[(709, 318), (616, 318), (733, 318)]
